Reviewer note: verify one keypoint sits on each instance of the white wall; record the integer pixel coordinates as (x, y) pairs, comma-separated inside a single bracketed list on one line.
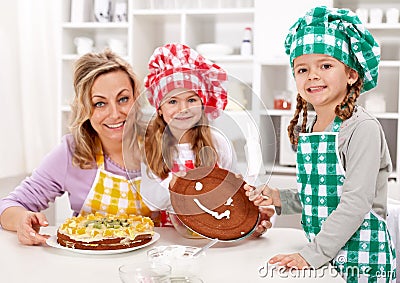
[(12, 160), (28, 83)]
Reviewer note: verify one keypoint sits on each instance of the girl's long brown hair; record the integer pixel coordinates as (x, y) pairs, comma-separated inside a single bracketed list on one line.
[(159, 146), (344, 110)]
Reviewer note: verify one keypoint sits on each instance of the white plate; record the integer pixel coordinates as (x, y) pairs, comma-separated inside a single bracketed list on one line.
[(52, 242)]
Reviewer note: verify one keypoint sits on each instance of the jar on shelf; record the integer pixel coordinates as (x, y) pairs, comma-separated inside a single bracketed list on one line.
[(282, 100), (246, 49)]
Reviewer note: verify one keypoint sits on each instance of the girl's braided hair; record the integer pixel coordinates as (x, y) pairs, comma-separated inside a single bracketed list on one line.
[(344, 110)]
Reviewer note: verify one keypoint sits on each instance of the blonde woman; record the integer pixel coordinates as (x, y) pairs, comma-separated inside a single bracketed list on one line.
[(88, 164)]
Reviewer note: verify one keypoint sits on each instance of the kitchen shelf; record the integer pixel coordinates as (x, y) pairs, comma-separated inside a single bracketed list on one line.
[(273, 75), (219, 11), (147, 29), (95, 25), (258, 76)]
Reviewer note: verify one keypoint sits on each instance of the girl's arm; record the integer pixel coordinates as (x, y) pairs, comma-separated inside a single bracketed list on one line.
[(154, 191), (227, 158)]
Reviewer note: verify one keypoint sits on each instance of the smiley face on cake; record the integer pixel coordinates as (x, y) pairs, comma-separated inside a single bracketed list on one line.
[(212, 202)]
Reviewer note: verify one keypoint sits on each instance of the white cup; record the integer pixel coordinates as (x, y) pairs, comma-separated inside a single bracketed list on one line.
[(375, 15), (83, 45), (392, 16), (362, 14)]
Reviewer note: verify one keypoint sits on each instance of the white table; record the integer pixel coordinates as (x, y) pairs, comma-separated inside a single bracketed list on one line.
[(225, 262)]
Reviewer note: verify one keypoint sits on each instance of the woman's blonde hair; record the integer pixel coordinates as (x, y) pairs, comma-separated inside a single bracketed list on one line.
[(86, 70), (160, 149), (344, 110)]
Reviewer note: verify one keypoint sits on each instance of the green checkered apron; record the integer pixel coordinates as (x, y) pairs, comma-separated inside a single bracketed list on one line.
[(369, 255)]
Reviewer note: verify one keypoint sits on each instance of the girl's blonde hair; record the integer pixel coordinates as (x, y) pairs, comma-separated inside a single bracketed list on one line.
[(86, 70), (344, 110), (160, 146)]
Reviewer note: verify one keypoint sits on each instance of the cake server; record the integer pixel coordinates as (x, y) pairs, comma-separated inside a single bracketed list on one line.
[(206, 247)]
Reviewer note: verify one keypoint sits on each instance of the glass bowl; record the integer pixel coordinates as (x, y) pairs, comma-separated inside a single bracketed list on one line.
[(182, 229), (144, 272), (180, 258), (182, 279)]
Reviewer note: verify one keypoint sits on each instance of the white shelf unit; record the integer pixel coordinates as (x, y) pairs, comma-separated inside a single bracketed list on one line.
[(153, 28), (99, 32), (153, 23), (274, 75)]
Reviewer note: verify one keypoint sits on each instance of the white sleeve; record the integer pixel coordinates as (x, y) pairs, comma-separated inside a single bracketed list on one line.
[(154, 191), (227, 158)]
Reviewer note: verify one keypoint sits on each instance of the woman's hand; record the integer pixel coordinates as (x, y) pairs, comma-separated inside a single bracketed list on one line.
[(265, 221), (290, 261), (29, 226), (26, 223)]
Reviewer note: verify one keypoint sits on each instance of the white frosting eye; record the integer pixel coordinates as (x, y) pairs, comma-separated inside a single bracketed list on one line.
[(198, 186)]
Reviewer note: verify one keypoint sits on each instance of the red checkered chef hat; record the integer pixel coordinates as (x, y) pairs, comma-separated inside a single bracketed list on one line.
[(176, 65)]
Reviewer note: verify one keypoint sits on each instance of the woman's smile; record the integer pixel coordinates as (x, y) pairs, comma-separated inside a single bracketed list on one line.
[(116, 125)]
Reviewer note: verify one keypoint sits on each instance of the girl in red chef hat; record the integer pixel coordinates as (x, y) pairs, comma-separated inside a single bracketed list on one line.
[(187, 91)]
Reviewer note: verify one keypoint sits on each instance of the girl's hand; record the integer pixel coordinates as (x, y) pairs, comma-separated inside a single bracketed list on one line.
[(265, 221), (290, 261), (263, 196), (29, 226)]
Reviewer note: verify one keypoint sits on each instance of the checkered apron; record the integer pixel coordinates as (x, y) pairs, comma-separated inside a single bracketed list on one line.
[(369, 255), (114, 194), (181, 163)]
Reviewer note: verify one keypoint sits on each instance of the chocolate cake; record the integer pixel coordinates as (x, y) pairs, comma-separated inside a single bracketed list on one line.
[(211, 201), (105, 232)]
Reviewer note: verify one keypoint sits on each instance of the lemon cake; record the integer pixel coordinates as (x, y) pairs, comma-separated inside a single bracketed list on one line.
[(105, 232)]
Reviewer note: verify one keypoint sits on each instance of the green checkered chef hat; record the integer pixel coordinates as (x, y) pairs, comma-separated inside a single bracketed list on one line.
[(340, 34)]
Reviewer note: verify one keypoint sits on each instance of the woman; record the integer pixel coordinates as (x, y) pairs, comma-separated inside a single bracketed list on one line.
[(89, 163)]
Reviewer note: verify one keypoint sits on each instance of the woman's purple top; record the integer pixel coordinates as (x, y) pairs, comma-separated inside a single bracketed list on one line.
[(55, 176)]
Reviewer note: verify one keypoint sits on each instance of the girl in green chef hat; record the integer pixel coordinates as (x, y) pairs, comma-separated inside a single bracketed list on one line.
[(343, 161)]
